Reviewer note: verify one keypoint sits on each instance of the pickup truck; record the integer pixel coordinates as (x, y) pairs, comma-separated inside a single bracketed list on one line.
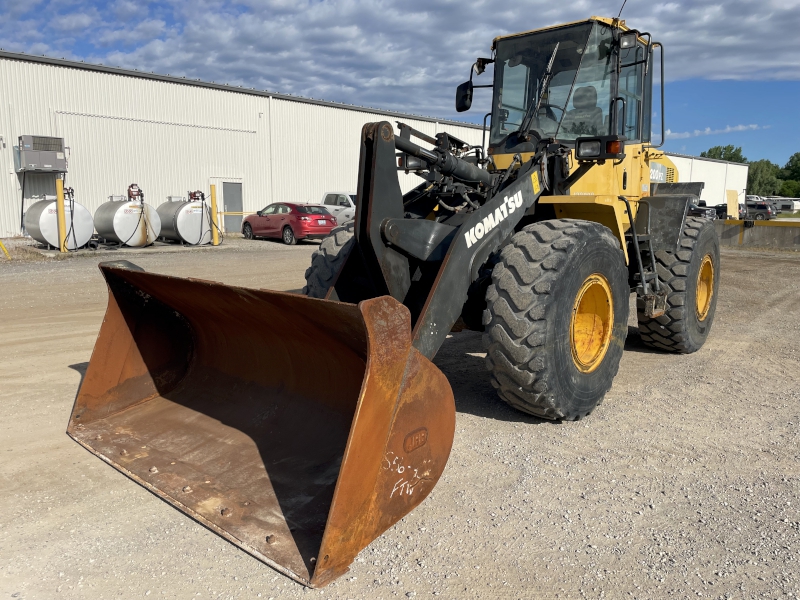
[(341, 205)]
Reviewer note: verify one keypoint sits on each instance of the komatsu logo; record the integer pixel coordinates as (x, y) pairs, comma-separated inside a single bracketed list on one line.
[(492, 220)]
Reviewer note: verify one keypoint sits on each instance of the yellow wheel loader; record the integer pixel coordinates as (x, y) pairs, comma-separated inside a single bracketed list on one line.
[(200, 391)]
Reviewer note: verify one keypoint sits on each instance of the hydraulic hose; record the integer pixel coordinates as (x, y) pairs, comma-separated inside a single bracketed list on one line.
[(446, 162)]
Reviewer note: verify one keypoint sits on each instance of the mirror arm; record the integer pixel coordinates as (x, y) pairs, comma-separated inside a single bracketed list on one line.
[(483, 137)]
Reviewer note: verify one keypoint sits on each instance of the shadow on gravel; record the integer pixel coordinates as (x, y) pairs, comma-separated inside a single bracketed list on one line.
[(461, 359), (633, 343), (80, 368)]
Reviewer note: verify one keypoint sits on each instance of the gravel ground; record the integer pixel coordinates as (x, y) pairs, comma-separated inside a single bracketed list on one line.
[(684, 483)]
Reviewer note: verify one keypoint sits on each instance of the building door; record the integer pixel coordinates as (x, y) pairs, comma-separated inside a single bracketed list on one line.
[(232, 203)]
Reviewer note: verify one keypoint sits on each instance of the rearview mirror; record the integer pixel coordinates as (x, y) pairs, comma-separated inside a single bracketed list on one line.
[(464, 96)]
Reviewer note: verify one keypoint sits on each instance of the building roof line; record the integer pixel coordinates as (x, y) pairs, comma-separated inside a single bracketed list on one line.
[(705, 158), (72, 64)]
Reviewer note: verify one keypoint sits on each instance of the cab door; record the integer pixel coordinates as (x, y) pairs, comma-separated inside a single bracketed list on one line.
[(634, 109)]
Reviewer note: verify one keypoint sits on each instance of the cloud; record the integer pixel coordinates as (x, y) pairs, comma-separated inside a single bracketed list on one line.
[(407, 55), (671, 135)]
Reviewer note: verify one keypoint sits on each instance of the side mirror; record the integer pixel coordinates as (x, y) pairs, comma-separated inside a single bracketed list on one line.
[(464, 96)]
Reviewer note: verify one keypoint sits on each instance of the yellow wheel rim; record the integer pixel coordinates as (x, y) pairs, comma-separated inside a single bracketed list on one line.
[(705, 287), (592, 323)]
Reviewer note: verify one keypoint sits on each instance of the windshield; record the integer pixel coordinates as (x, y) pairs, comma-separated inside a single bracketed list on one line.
[(578, 100), (312, 210)]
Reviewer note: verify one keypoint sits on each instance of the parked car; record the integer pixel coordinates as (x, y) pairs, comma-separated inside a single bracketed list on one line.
[(722, 211), (742, 211), (341, 205), (758, 210), (701, 210), (289, 222)]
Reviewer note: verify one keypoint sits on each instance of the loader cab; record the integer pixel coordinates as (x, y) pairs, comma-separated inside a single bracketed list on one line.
[(601, 85)]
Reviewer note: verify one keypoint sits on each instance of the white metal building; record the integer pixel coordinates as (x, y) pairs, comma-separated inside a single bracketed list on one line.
[(170, 135), (718, 175)]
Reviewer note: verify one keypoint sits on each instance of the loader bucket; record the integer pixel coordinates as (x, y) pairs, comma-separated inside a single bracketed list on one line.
[(298, 429)]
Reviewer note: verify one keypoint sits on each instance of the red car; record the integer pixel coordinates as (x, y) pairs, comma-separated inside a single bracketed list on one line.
[(289, 222)]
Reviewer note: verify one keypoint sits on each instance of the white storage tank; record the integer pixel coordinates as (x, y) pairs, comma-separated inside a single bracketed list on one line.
[(132, 223), (185, 221), (41, 222)]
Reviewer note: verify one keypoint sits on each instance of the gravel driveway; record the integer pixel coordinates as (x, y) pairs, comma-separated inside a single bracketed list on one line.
[(684, 483)]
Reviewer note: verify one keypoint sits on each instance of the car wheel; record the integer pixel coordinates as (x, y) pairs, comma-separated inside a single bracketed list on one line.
[(288, 236), (759, 217), (247, 231)]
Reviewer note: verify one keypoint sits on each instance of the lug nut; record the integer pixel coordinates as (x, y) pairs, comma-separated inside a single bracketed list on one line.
[(154, 469), (187, 489)]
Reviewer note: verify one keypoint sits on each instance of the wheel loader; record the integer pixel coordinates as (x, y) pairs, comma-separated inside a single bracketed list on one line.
[(199, 391)]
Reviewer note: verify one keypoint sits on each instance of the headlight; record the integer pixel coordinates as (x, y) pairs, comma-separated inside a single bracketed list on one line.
[(628, 39), (588, 149)]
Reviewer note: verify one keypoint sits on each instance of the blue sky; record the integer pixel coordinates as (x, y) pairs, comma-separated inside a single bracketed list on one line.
[(729, 80)]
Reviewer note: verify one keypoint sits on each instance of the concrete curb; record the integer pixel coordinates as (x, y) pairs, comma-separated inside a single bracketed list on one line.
[(759, 234)]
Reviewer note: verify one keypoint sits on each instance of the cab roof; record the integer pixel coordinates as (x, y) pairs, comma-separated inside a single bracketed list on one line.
[(612, 22)]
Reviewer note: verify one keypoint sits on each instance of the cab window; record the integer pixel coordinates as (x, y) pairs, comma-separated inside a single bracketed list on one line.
[(631, 90)]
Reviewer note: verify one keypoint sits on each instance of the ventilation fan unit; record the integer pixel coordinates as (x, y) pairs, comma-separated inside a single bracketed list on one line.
[(41, 154)]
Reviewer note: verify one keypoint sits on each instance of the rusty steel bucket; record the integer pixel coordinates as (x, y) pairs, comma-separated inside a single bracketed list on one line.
[(298, 429)]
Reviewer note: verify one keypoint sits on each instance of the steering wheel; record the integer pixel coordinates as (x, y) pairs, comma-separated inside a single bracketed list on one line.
[(549, 111)]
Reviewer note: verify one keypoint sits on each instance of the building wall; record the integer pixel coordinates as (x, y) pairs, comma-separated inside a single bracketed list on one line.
[(718, 176), (169, 138)]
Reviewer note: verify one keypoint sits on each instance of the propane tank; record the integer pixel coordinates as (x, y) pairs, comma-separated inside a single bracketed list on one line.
[(186, 221), (130, 222), (41, 222)]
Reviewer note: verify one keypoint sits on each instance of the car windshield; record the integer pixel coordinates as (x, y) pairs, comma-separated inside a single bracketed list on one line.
[(312, 210), (353, 198), (578, 100)]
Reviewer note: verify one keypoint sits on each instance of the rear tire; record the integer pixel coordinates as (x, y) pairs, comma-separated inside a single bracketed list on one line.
[(328, 259), (287, 235), (691, 296), (556, 318), (247, 231)]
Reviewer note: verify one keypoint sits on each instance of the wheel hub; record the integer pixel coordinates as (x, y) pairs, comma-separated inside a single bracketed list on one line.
[(592, 323), (705, 288)]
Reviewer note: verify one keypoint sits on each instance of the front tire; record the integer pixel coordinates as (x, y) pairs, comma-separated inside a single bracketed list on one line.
[(288, 236), (691, 276), (556, 318), (247, 231), (327, 260)]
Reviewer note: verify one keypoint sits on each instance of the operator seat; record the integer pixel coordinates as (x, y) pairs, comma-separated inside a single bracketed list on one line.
[(586, 118)]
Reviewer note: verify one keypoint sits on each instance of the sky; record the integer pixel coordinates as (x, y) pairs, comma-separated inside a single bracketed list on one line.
[(732, 68)]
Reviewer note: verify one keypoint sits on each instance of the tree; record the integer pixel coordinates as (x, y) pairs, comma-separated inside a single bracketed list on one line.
[(728, 153), (762, 178), (791, 171), (790, 189)]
